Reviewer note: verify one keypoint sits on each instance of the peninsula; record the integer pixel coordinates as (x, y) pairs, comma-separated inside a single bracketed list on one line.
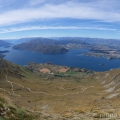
[(43, 48)]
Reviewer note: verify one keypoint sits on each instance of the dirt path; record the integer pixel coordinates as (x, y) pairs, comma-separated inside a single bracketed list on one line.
[(13, 92), (11, 83)]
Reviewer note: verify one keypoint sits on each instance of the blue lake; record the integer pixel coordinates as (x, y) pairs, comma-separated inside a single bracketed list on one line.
[(73, 58)]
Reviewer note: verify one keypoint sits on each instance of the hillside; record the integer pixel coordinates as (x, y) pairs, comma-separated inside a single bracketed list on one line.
[(8, 111), (52, 92), (46, 49)]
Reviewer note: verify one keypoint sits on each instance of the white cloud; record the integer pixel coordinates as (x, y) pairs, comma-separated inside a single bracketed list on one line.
[(96, 11), (54, 28)]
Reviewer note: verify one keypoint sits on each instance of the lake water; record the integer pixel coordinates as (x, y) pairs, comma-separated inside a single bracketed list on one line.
[(73, 58)]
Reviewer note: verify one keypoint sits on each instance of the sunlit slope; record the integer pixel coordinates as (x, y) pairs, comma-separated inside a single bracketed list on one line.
[(110, 80), (52, 92)]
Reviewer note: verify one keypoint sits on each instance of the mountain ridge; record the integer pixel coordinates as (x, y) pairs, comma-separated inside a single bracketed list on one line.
[(46, 49)]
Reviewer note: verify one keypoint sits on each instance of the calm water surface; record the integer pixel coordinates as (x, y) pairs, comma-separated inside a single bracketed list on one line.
[(73, 58)]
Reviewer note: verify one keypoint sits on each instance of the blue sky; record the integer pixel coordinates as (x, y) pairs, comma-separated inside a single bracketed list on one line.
[(59, 18)]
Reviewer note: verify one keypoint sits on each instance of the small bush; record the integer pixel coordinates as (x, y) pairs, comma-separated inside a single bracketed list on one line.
[(21, 112), (12, 109)]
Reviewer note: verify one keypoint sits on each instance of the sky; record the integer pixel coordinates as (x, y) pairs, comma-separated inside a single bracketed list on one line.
[(59, 18)]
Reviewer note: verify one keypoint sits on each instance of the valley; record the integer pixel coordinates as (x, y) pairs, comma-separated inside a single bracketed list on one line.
[(83, 95)]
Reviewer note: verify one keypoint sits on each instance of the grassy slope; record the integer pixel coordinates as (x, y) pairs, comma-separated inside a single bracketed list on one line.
[(8, 111), (50, 97)]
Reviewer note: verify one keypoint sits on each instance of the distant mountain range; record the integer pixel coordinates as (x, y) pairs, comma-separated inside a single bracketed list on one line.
[(70, 40), (4, 43), (95, 41), (49, 46), (57, 42), (59, 45)]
